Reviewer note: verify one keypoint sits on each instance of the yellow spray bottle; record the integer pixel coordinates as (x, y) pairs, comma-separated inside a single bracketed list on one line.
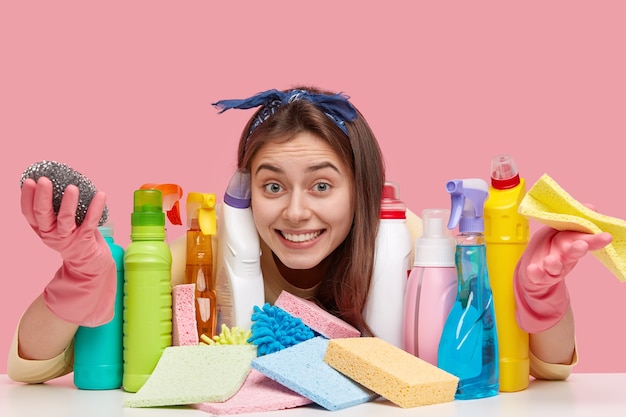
[(506, 235)]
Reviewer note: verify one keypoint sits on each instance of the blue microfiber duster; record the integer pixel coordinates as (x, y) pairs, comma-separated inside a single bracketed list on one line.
[(274, 329)]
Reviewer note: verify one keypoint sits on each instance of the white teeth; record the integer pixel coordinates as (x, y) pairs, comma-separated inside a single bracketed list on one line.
[(300, 238)]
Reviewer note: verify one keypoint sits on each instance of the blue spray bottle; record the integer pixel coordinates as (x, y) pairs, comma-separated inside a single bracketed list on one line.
[(469, 343)]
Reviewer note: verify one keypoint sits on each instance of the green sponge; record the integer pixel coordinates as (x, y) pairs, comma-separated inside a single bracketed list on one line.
[(195, 374)]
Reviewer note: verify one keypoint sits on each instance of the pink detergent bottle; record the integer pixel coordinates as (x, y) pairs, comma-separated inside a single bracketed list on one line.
[(431, 288)]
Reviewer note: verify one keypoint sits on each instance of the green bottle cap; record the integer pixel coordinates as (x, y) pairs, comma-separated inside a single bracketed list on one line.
[(148, 208)]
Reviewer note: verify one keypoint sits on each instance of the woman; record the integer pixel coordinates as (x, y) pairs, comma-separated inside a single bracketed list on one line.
[(316, 181), (317, 176)]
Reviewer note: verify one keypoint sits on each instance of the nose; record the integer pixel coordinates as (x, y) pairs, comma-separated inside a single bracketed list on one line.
[(297, 208)]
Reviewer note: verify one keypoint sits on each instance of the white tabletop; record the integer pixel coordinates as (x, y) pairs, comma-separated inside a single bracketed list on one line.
[(581, 395)]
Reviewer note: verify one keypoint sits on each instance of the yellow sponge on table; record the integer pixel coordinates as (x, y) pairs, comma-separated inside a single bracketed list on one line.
[(391, 372), (551, 205)]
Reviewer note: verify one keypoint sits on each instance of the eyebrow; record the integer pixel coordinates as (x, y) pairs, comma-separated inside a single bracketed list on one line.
[(312, 168)]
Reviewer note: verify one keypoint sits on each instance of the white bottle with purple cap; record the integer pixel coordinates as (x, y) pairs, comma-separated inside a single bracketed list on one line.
[(239, 280)]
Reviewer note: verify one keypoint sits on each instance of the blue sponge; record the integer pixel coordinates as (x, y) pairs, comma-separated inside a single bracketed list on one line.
[(302, 369)]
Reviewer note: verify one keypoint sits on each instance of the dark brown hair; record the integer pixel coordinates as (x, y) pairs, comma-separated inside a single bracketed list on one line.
[(345, 288)]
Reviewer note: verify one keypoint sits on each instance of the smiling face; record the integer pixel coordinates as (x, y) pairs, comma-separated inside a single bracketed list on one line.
[(302, 199)]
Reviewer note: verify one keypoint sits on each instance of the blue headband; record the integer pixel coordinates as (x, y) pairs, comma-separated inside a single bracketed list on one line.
[(336, 106)]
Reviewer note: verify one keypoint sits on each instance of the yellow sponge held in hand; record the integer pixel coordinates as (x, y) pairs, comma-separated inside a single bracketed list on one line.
[(551, 205)]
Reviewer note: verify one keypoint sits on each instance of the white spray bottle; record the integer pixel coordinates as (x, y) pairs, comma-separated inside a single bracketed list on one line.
[(239, 280)]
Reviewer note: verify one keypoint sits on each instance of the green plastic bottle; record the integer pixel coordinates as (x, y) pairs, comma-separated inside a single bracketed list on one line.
[(98, 361), (147, 290)]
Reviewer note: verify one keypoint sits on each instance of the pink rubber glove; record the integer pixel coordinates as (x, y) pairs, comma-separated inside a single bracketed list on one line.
[(84, 287), (540, 292)]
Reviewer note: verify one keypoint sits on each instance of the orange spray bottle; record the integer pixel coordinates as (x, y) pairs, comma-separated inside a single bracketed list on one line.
[(201, 227), (506, 235)]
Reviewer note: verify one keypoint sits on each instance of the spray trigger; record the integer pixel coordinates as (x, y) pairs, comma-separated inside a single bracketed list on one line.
[(171, 194)]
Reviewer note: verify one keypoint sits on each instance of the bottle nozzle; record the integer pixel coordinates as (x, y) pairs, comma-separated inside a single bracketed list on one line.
[(238, 191), (468, 199), (391, 206), (170, 194), (434, 220), (504, 173), (436, 246), (201, 206)]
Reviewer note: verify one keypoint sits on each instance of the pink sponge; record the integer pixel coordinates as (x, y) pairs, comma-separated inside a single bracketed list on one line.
[(258, 393), (184, 326), (315, 317)]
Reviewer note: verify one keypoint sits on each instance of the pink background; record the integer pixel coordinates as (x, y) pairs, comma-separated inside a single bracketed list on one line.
[(121, 91)]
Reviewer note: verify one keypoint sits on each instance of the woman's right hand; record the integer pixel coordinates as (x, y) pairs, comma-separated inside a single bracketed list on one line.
[(83, 290)]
